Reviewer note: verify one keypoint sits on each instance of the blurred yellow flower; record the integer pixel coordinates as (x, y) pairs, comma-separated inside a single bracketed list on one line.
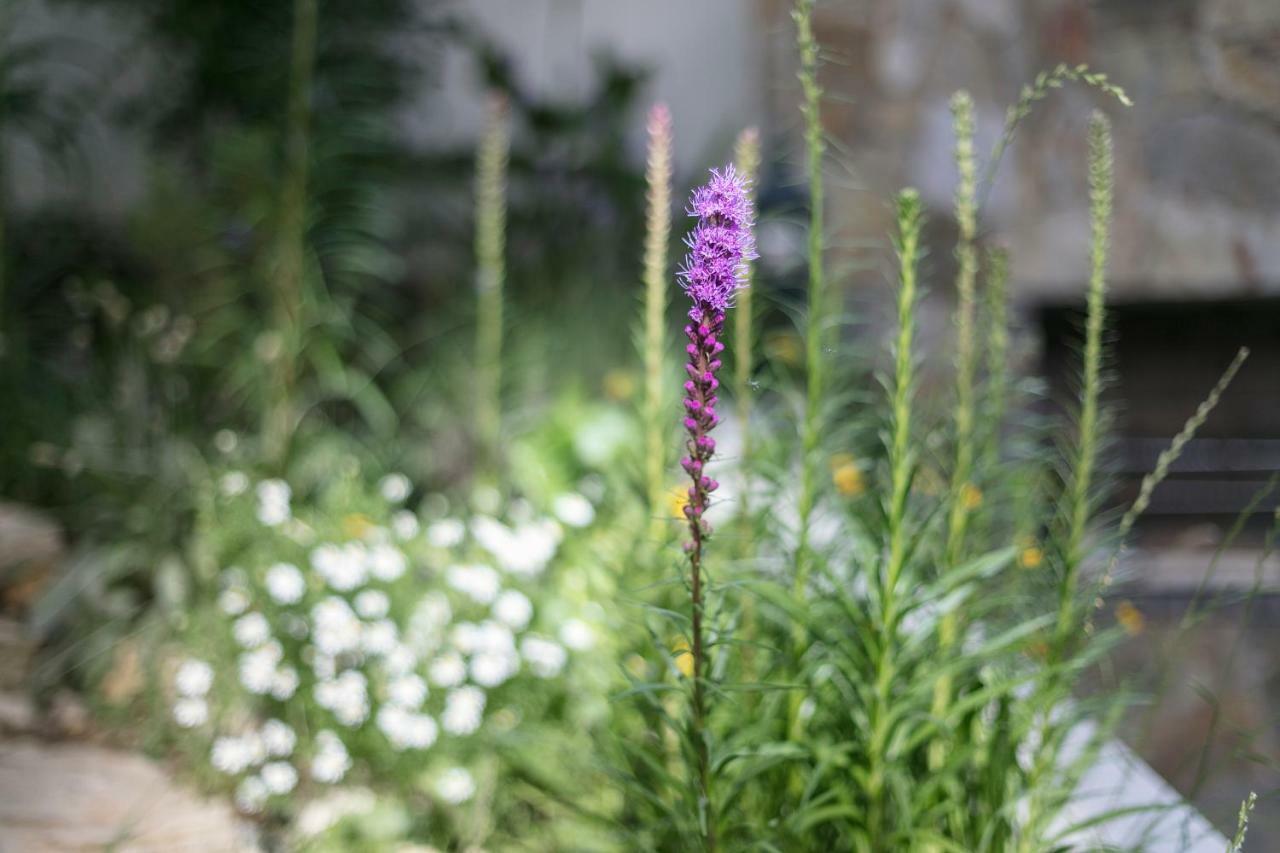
[(678, 499), (785, 347), (619, 385), (682, 657), (1130, 618), (356, 525), (970, 496), (1030, 556), (846, 475)]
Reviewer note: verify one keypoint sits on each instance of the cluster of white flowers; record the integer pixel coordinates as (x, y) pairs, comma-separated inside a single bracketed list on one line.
[(413, 673)]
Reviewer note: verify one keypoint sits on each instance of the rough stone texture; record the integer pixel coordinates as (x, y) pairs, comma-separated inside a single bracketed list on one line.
[(58, 798)]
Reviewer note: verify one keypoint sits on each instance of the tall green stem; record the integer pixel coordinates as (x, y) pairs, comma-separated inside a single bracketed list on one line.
[(290, 278), (909, 223), (657, 239), (490, 249), (746, 159)]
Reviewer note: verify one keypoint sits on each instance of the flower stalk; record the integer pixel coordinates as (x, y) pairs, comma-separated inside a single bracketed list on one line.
[(714, 270), (490, 249), (657, 236)]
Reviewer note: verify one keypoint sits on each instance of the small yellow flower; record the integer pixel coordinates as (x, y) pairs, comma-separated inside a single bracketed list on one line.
[(619, 385), (682, 657), (678, 499), (785, 347), (970, 497), (1030, 555), (356, 525), (846, 475), (1130, 618)]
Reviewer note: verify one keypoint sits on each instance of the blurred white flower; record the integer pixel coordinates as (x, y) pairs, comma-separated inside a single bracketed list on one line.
[(455, 786), (279, 777), (573, 509), (489, 669), (386, 562), (251, 630), (405, 729), (545, 657), (430, 617), (486, 499), (372, 603), (380, 637), (284, 684), (446, 533), (233, 601), (407, 691), (463, 710), (190, 711), (347, 696), (513, 609), (394, 488), (448, 670), (322, 814), (476, 581), (400, 660), (404, 524), (257, 668), (278, 738), (577, 635), (331, 761), (193, 678), (231, 755), (233, 483), (273, 502), (335, 628), (343, 567), (251, 793), (285, 583), (524, 551), (324, 666)]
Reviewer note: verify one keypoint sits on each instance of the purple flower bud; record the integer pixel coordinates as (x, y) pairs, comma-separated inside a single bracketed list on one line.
[(690, 424), (692, 405)]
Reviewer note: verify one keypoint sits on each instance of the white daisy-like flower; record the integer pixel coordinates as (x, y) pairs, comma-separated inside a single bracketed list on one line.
[(279, 777), (406, 729), (446, 533), (478, 582), (331, 761), (324, 666), (343, 567), (404, 524), (545, 657), (577, 635), (346, 696), (273, 502), (233, 601), (512, 608), (394, 488), (251, 630), (372, 604), (379, 638), (489, 669), (463, 710), (386, 562), (278, 738), (455, 786), (251, 794), (231, 755), (407, 691), (524, 551), (573, 509), (193, 678), (233, 483), (428, 622), (257, 669), (448, 670), (285, 683), (285, 584), (335, 628), (400, 660), (190, 712), (320, 815)]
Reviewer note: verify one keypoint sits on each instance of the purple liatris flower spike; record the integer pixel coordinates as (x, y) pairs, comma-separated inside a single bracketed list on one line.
[(719, 249)]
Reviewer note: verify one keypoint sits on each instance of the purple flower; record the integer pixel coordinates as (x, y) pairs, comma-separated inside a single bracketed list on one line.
[(720, 245)]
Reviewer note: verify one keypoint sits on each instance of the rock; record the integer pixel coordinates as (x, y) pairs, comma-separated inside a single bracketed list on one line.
[(30, 547), (17, 713), (75, 797)]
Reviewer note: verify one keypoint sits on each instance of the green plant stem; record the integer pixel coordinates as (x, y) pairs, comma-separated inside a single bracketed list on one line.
[(909, 223), (698, 711), (962, 486), (490, 249), (657, 238), (290, 279)]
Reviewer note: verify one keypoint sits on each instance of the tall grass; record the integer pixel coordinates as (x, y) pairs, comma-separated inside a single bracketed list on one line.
[(490, 251)]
